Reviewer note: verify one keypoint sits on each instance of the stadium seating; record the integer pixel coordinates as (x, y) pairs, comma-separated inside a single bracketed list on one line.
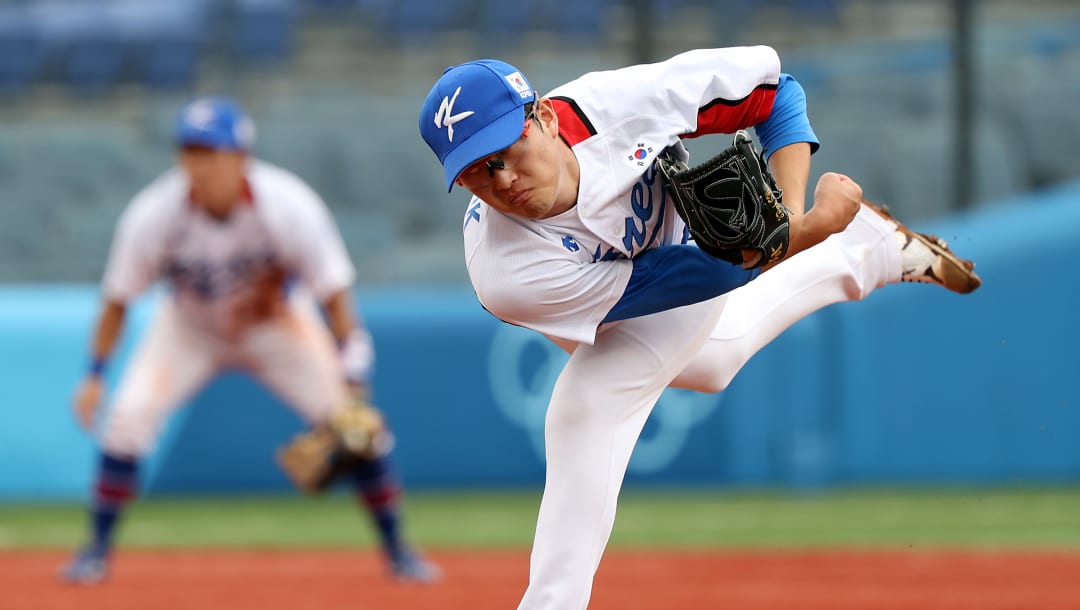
[(262, 30), (333, 6), (586, 19), (418, 20), (882, 108), (507, 20), (22, 50), (95, 60), (165, 39), (92, 45)]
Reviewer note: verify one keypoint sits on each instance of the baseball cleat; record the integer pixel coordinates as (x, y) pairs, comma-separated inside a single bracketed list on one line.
[(90, 566), (412, 568), (926, 259)]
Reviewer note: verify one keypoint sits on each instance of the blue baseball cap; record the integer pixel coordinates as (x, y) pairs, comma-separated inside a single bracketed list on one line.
[(215, 122), (474, 110)]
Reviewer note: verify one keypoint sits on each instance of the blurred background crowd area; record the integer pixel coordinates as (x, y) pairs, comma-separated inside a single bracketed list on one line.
[(89, 90)]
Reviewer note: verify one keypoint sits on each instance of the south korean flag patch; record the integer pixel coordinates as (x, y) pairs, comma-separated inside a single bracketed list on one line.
[(639, 155), (518, 82)]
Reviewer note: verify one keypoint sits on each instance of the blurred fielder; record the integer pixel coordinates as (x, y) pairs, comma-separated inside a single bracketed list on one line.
[(587, 225), (249, 253)]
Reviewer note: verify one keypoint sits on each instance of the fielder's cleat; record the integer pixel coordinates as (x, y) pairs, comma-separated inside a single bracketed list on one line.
[(90, 566), (412, 568), (927, 259)]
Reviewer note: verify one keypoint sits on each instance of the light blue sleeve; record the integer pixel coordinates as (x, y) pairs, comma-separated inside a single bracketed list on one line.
[(788, 122)]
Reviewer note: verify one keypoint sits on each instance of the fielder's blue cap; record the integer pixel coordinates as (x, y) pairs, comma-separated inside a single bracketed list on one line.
[(474, 110), (215, 122)]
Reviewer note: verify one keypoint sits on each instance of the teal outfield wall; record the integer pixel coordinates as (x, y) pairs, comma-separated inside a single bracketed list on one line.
[(913, 385)]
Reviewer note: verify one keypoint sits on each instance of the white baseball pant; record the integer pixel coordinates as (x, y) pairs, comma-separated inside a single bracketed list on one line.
[(292, 354), (606, 391)]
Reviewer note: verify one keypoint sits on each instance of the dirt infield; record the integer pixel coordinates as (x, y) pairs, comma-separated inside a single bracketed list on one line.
[(628, 580)]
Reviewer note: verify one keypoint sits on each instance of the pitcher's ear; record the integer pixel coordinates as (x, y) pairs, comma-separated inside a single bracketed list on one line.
[(549, 119)]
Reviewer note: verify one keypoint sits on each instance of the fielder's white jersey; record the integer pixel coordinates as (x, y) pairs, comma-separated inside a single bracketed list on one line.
[(209, 262), (543, 274)]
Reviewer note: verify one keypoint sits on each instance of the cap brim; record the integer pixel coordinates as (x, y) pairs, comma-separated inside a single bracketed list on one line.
[(205, 139), (498, 135)]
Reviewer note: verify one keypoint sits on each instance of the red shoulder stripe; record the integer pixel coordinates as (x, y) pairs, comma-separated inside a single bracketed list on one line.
[(574, 126), (729, 116)]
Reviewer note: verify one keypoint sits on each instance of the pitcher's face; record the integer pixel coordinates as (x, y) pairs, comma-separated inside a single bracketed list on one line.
[(524, 179)]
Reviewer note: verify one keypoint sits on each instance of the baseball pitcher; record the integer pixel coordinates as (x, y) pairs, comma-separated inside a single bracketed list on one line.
[(588, 224)]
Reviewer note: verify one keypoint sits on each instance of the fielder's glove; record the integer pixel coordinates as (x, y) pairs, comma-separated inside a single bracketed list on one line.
[(313, 459), (730, 203)]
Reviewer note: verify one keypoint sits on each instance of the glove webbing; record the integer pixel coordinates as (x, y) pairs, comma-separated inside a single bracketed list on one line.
[(723, 201)]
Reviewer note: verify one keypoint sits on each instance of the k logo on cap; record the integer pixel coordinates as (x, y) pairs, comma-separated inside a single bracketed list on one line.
[(474, 110), (446, 117)]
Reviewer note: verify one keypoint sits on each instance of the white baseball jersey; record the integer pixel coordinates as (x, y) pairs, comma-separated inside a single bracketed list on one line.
[(541, 273), (209, 265), (546, 275), (208, 262)]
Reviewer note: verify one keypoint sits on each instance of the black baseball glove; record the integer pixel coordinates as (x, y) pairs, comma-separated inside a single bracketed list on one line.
[(730, 203)]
